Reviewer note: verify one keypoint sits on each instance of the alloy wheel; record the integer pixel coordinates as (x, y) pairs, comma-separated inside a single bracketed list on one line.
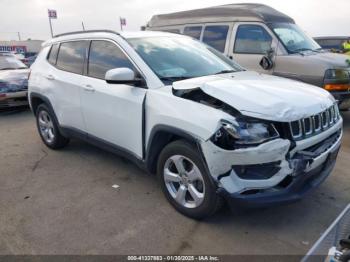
[(46, 126), (184, 181)]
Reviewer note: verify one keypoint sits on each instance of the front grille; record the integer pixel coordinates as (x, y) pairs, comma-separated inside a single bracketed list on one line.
[(315, 124)]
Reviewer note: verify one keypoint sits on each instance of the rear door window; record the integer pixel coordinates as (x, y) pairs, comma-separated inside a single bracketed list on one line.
[(53, 54), (193, 31), (71, 56), (252, 39), (105, 55), (215, 36)]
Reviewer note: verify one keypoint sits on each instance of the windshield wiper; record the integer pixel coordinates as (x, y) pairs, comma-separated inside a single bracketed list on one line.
[(13, 68), (301, 50), (225, 72), (306, 49), (319, 50), (8, 68), (174, 78)]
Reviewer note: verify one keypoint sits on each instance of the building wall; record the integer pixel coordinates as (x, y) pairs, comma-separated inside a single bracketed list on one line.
[(30, 45)]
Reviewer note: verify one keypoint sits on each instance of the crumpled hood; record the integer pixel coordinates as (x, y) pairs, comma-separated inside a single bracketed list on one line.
[(262, 96), (333, 60), (13, 80)]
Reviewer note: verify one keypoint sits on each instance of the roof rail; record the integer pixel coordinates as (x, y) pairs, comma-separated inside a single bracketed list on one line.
[(87, 31)]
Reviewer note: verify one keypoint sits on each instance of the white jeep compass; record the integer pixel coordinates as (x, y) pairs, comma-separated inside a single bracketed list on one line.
[(209, 129)]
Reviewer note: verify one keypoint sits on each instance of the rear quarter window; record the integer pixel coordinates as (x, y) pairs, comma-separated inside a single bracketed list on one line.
[(52, 58), (71, 56), (193, 31), (215, 36)]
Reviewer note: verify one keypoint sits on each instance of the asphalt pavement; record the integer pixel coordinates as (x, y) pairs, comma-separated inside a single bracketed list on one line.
[(83, 200)]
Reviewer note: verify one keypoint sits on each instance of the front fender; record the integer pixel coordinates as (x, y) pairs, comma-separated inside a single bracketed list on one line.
[(196, 119)]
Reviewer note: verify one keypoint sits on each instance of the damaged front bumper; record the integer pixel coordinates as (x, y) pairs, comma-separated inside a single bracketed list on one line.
[(13, 99), (273, 173)]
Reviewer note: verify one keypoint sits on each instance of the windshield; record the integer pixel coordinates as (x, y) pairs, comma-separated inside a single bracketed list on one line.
[(293, 38), (10, 62), (176, 57)]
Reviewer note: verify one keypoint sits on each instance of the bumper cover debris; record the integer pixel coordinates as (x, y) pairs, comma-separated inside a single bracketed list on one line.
[(297, 188)]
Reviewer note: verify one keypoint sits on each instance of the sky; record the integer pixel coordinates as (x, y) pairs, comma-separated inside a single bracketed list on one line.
[(29, 17)]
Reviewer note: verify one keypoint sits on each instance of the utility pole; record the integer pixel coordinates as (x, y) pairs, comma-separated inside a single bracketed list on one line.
[(82, 24), (19, 36)]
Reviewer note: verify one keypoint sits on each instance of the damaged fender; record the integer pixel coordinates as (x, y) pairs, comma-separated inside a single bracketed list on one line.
[(198, 120)]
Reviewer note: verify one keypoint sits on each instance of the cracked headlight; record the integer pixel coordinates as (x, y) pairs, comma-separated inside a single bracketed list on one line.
[(244, 134)]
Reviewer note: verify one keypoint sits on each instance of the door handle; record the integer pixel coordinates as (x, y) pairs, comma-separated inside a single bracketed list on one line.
[(50, 77), (89, 88)]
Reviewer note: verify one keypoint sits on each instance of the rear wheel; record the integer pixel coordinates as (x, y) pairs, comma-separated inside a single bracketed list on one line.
[(185, 182), (48, 128)]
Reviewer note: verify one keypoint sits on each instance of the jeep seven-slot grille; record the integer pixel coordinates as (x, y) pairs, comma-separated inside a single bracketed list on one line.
[(315, 124)]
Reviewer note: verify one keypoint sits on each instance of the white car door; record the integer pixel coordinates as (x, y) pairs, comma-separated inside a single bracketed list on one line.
[(112, 112), (250, 42), (65, 78)]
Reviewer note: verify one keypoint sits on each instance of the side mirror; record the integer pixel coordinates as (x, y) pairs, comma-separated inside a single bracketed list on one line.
[(266, 63), (121, 75)]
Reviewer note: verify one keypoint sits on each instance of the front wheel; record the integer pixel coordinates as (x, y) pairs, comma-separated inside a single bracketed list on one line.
[(185, 181)]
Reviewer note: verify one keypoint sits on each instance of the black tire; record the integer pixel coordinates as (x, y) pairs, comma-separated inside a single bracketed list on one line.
[(211, 202), (58, 141)]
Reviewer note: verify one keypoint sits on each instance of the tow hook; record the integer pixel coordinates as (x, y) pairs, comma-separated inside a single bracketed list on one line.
[(301, 161)]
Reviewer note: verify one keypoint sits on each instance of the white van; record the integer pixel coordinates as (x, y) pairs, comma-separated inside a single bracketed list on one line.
[(262, 39)]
